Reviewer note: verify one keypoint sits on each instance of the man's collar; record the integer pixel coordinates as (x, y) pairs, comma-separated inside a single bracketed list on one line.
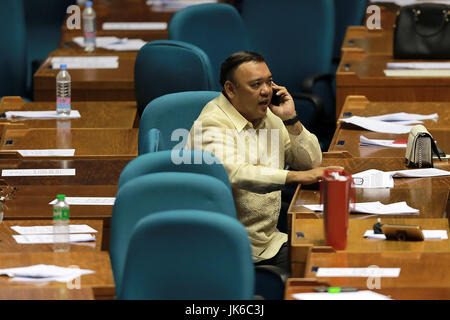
[(238, 119)]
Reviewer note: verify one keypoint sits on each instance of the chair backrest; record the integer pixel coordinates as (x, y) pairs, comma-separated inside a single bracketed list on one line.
[(194, 161), (176, 111), (188, 255), (295, 37), (155, 192), (12, 48), (166, 66), (217, 28)]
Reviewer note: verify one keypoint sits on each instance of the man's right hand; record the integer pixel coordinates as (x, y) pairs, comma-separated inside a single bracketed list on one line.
[(309, 176)]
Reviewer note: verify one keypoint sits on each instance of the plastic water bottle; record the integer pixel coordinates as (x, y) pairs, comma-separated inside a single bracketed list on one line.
[(89, 27), (61, 217), (63, 91)]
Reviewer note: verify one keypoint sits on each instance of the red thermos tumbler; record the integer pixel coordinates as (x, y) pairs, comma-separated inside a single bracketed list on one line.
[(336, 192)]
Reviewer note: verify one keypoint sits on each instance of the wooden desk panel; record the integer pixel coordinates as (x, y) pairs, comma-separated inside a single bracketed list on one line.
[(361, 41), (8, 244), (89, 84), (364, 75), (86, 142), (424, 269), (101, 114), (46, 294), (97, 261)]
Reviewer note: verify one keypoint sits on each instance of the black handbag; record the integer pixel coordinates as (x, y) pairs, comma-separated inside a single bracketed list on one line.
[(422, 32)]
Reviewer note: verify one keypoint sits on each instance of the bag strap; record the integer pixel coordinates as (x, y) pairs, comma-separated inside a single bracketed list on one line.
[(433, 144), (417, 13)]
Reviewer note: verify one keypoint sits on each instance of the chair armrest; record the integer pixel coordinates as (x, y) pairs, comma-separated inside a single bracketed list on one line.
[(316, 100), (310, 81), (150, 142), (270, 282)]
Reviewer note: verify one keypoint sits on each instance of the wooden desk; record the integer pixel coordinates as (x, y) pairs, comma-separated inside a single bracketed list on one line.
[(360, 41), (101, 282), (363, 75), (46, 294), (86, 142), (99, 114), (418, 269), (89, 84), (8, 244)]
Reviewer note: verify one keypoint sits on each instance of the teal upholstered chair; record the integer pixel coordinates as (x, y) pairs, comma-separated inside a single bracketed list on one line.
[(188, 255), (165, 66)]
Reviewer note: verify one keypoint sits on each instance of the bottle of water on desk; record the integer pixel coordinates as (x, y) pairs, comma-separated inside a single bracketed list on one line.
[(61, 215), (63, 91), (89, 27)]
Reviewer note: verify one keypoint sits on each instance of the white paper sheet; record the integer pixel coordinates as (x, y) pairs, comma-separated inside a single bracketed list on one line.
[(419, 173), (73, 228), (176, 4), (417, 73), (74, 114), (380, 143), (403, 116), (49, 238), (373, 179), (114, 43), (37, 172), (82, 62), (358, 295), (358, 272), (427, 234), (47, 153), (42, 272), (418, 65), (134, 26), (374, 208), (93, 201), (377, 126)]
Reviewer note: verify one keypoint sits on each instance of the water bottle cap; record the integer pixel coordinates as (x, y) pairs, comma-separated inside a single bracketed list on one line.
[(88, 4), (63, 66), (61, 197)]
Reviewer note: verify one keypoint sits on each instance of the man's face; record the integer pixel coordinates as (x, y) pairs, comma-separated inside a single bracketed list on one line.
[(252, 90)]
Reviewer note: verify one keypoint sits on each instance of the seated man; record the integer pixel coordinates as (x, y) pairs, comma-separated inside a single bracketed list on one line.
[(254, 140)]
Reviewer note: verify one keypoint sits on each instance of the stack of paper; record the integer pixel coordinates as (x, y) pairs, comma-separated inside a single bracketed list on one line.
[(381, 143), (176, 4), (93, 201), (404, 116), (42, 272), (419, 65), (104, 62), (45, 234), (47, 153), (380, 126), (73, 228), (418, 69), (74, 114), (359, 272), (358, 295), (114, 43), (373, 208), (427, 234), (37, 172), (134, 26)]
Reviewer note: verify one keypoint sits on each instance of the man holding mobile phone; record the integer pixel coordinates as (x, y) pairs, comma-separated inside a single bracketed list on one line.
[(255, 139)]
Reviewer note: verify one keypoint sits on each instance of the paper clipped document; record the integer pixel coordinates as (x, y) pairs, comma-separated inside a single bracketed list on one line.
[(363, 141), (51, 114), (47, 152), (114, 43), (98, 62), (134, 26), (427, 234), (73, 228), (358, 272), (378, 125), (43, 272), (37, 172), (50, 238), (373, 178), (93, 201), (374, 208), (357, 295)]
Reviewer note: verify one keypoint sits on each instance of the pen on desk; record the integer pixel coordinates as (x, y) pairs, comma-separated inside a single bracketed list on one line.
[(335, 289)]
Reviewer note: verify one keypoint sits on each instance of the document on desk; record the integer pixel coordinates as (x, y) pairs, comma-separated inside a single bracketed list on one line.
[(114, 43), (82, 62), (419, 173), (375, 207), (373, 179), (379, 126), (419, 65), (50, 238), (89, 201), (47, 153), (427, 234), (74, 114), (357, 295), (437, 73), (37, 172), (358, 272), (43, 272), (403, 116), (366, 142), (73, 228), (134, 26)]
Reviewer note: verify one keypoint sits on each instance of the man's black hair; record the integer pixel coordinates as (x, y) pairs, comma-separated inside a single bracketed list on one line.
[(230, 65)]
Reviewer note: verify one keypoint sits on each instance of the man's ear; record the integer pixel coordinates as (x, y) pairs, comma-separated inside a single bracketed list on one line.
[(229, 88)]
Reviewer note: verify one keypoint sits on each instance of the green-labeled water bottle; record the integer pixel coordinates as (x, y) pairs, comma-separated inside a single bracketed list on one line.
[(61, 217)]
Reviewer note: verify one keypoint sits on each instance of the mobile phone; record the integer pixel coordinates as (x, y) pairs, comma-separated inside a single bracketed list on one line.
[(276, 100), (402, 232)]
